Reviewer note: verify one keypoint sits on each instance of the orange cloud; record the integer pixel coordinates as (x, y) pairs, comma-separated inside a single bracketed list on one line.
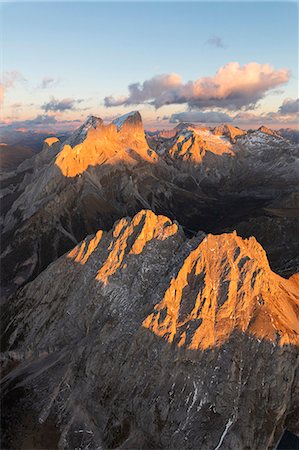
[(232, 87)]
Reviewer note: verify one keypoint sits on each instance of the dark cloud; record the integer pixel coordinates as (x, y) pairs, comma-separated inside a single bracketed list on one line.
[(289, 106), (148, 90), (111, 101), (201, 117), (66, 104), (215, 41), (286, 113), (42, 121), (232, 87)]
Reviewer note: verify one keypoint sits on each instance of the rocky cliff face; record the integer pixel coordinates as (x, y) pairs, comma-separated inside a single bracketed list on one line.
[(72, 189), (127, 324), (142, 338), (207, 179)]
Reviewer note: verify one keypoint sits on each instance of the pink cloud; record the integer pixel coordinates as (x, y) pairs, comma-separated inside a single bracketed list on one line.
[(232, 87)]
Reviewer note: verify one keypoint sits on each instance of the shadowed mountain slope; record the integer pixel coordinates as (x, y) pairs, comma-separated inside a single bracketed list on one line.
[(12, 156), (141, 338)]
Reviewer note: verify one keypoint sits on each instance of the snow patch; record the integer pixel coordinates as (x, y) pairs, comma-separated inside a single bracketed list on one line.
[(121, 120), (227, 427)]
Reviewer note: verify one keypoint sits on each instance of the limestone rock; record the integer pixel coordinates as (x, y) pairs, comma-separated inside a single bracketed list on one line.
[(142, 338)]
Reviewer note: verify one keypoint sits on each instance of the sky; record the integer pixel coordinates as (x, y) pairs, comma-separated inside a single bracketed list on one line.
[(204, 62)]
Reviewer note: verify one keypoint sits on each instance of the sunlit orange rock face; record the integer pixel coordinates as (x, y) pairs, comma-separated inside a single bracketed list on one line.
[(193, 145), (81, 253), (225, 285), (128, 238), (229, 130), (151, 227), (269, 131), (184, 335), (51, 140), (107, 144)]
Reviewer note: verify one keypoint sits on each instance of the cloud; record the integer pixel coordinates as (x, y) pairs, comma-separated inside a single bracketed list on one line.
[(112, 101), (66, 104), (48, 82), (40, 122), (202, 117), (289, 106), (9, 80), (148, 90), (16, 105), (215, 41), (41, 119), (269, 117), (286, 113), (232, 87)]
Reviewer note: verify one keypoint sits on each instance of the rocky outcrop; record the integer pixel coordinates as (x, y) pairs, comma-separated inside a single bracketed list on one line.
[(73, 189), (141, 338), (122, 141), (229, 131), (192, 145), (266, 130)]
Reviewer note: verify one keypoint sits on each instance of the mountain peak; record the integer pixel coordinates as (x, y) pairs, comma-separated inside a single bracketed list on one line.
[(192, 144), (80, 134), (226, 285), (95, 143), (266, 130), (132, 118), (51, 140), (184, 125), (229, 130)]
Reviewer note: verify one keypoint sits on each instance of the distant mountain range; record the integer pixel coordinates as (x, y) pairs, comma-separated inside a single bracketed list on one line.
[(104, 172), (12, 155), (34, 139)]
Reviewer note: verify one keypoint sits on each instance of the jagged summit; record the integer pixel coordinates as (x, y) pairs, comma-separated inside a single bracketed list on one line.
[(184, 126), (80, 134), (194, 333), (51, 140), (192, 144), (96, 143), (196, 176), (92, 121), (132, 118), (266, 130), (229, 131), (225, 285)]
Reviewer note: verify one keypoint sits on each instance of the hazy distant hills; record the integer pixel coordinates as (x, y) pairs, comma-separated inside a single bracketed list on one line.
[(12, 155), (26, 138), (288, 133)]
